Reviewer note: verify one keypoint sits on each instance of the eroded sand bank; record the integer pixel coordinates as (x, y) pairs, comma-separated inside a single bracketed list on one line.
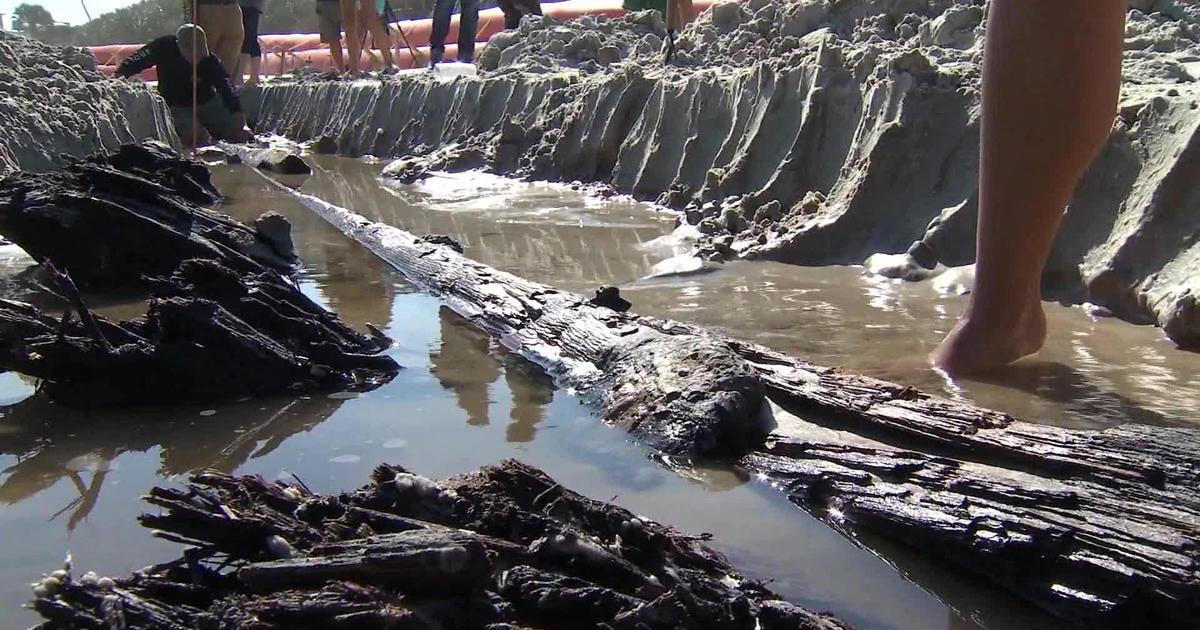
[(54, 101)]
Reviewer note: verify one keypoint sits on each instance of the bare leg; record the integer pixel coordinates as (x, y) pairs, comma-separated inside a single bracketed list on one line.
[(229, 46), (679, 14), (242, 67), (335, 52), (396, 50), (255, 69), (379, 36), (1051, 77), (353, 34), (418, 59)]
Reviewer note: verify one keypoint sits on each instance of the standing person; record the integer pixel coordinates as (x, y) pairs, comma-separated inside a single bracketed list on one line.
[(368, 15), (222, 24), (389, 18), (251, 59), (374, 14), (675, 13), (514, 10), (329, 20), (1051, 78), (174, 56), (468, 21), (679, 14)]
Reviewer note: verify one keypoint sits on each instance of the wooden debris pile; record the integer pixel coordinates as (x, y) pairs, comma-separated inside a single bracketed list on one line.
[(111, 220), (208, 334), (222, 322), (502, 548)]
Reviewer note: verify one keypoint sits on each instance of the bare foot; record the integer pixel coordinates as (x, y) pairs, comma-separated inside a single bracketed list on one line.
[(980, 343)]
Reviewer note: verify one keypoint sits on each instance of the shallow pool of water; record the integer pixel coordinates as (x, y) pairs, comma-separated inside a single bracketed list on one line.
[(72, 480), (1094, 372)]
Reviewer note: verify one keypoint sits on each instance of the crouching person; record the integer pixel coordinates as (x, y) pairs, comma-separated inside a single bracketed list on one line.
[(199, 115)]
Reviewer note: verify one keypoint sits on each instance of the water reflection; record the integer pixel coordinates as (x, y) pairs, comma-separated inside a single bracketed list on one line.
[(359, 298), (1093, 373), (52, 443), (463, 365), (1077, 392), (517, 227), (468, 364), (347, 278), (532, 390)]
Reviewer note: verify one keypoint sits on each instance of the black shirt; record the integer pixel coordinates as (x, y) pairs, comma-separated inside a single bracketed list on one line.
[(175, 74)]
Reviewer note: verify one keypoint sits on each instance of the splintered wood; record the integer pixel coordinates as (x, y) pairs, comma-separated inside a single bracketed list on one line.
[(502, 548)]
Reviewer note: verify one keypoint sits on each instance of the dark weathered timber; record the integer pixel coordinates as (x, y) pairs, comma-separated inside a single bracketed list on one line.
[(223, 320), (503, 547), (668, 398), (279, 159), (208, 334), (1095, 526), (111, 220)]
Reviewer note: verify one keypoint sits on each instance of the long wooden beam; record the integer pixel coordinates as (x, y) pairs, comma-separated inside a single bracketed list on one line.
[(1101, 527)]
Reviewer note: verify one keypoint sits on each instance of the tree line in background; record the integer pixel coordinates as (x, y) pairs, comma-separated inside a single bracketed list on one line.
[(148, 19)]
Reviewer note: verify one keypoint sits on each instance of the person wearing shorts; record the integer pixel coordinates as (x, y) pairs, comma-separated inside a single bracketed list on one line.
[(329, 21), (365, 14), (216, 107), (222, 24), (251, 59)]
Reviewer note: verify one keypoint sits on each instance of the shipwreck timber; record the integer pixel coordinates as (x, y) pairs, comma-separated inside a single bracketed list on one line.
[(111, 220), (1094, 526), (502, 548), (224, 320)]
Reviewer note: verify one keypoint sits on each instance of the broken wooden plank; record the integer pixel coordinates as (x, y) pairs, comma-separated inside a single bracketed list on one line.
[(1094, 526), (111, 220), (502, 547), (209, 333), (282, 159)]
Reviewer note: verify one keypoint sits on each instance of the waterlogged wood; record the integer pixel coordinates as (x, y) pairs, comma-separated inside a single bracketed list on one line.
[(503, 547), (682, 394), (1100, 527), (223, 320), (208, 334), (111, 220), (282, 159), (441, 562)]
